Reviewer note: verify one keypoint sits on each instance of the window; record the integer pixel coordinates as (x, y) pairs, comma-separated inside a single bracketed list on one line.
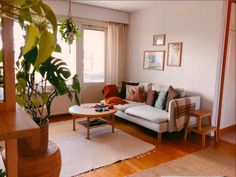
[(68, 53), (94, 55)]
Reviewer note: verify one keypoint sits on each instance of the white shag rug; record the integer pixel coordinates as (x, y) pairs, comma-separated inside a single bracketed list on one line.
[(80, 155)]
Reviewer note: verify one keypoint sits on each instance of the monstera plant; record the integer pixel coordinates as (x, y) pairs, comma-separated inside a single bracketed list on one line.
[(40, 77)]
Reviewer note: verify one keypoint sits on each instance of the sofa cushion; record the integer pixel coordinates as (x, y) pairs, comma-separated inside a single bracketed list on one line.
[(158, 88), (139, 95), (151, 95), (172, 94), (161, 100), (146, 86), (148, 112), (123, 88), (128, 105), (130, 89)]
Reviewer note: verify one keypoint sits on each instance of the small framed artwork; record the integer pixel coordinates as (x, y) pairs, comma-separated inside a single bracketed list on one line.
[(154, 60), (174, 54), (159, 39)]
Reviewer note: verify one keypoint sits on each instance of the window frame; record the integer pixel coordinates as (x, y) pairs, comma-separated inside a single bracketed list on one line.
[(95, 27)]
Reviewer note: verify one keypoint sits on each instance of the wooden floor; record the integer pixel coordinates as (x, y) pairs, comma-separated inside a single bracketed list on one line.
[(172, 147)]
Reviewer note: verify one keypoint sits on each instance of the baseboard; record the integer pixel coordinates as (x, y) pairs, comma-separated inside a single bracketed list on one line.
[(227, 129), (60, 115)]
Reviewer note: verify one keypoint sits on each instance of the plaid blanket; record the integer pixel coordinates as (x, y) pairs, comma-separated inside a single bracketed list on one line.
[(181, 110)]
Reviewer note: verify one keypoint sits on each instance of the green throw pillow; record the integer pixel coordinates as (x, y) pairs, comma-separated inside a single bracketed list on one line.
[(161, 100)]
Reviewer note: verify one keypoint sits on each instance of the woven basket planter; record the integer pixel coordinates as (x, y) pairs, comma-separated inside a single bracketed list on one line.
[(44, 165), (25, 147)]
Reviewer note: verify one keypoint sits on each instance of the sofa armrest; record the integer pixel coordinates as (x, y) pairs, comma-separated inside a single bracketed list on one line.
[(172, 106)]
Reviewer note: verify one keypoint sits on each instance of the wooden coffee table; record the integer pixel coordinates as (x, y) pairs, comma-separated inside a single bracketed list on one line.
[(88, 111)]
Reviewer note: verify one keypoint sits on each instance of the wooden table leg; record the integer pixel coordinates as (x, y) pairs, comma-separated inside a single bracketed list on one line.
[(209, 120), (203, 140), (186, 128), (11, 158), (74, 122), (88, 128), (199, 123), (216, 135), (113, 123)]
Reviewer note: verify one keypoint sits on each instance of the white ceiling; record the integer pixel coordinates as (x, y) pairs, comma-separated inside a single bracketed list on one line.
[(126, 6)]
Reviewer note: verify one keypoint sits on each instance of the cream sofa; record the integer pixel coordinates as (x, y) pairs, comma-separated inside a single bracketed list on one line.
[(156, 119)]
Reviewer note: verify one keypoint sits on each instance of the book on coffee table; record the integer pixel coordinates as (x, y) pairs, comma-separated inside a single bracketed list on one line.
[(92, 123)]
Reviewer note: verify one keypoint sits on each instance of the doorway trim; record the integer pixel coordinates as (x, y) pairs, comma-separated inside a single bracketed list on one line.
[(222, 79)]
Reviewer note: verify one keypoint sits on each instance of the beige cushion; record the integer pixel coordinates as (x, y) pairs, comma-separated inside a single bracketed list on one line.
[(146, 86), (148, 112)]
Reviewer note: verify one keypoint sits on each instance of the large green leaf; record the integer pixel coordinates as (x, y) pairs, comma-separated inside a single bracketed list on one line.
[(36, 8), (21, 82), (56, 72), (32, 37), (31, 56), (50, 16), (76, 88), (77, 98), (30, 3), (36, 102), (54, 68), (46, 47), (20, 100), (44, 97), (76, 84), (25, 14), (58, 48), (16, 2)]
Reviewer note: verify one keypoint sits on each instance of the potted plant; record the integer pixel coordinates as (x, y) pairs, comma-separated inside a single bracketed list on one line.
[(68, 30), (2, 173), (36, 61)]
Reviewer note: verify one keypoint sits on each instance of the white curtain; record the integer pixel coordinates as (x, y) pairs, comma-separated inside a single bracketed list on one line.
[(116, 52)]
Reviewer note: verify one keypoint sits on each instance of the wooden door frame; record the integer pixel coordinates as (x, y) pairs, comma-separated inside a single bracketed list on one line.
[(9, 102), (222, 79)]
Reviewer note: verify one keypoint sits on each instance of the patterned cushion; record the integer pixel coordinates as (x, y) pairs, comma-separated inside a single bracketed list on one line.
[(129, 90), (123, 88)]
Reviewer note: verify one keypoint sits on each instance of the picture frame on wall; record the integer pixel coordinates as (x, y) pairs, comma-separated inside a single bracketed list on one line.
[(159, 39), (174, 54), (154, 60)]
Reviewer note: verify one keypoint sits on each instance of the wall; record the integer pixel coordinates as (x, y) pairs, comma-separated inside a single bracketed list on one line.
[(198, 24), (89, 12), (228, 102)]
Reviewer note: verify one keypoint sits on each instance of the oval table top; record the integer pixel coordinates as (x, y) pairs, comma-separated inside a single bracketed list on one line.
[(87, 110)]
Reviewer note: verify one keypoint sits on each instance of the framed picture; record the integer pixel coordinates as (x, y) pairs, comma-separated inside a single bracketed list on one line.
[(154, 60), (159, 39), (174, 54)]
